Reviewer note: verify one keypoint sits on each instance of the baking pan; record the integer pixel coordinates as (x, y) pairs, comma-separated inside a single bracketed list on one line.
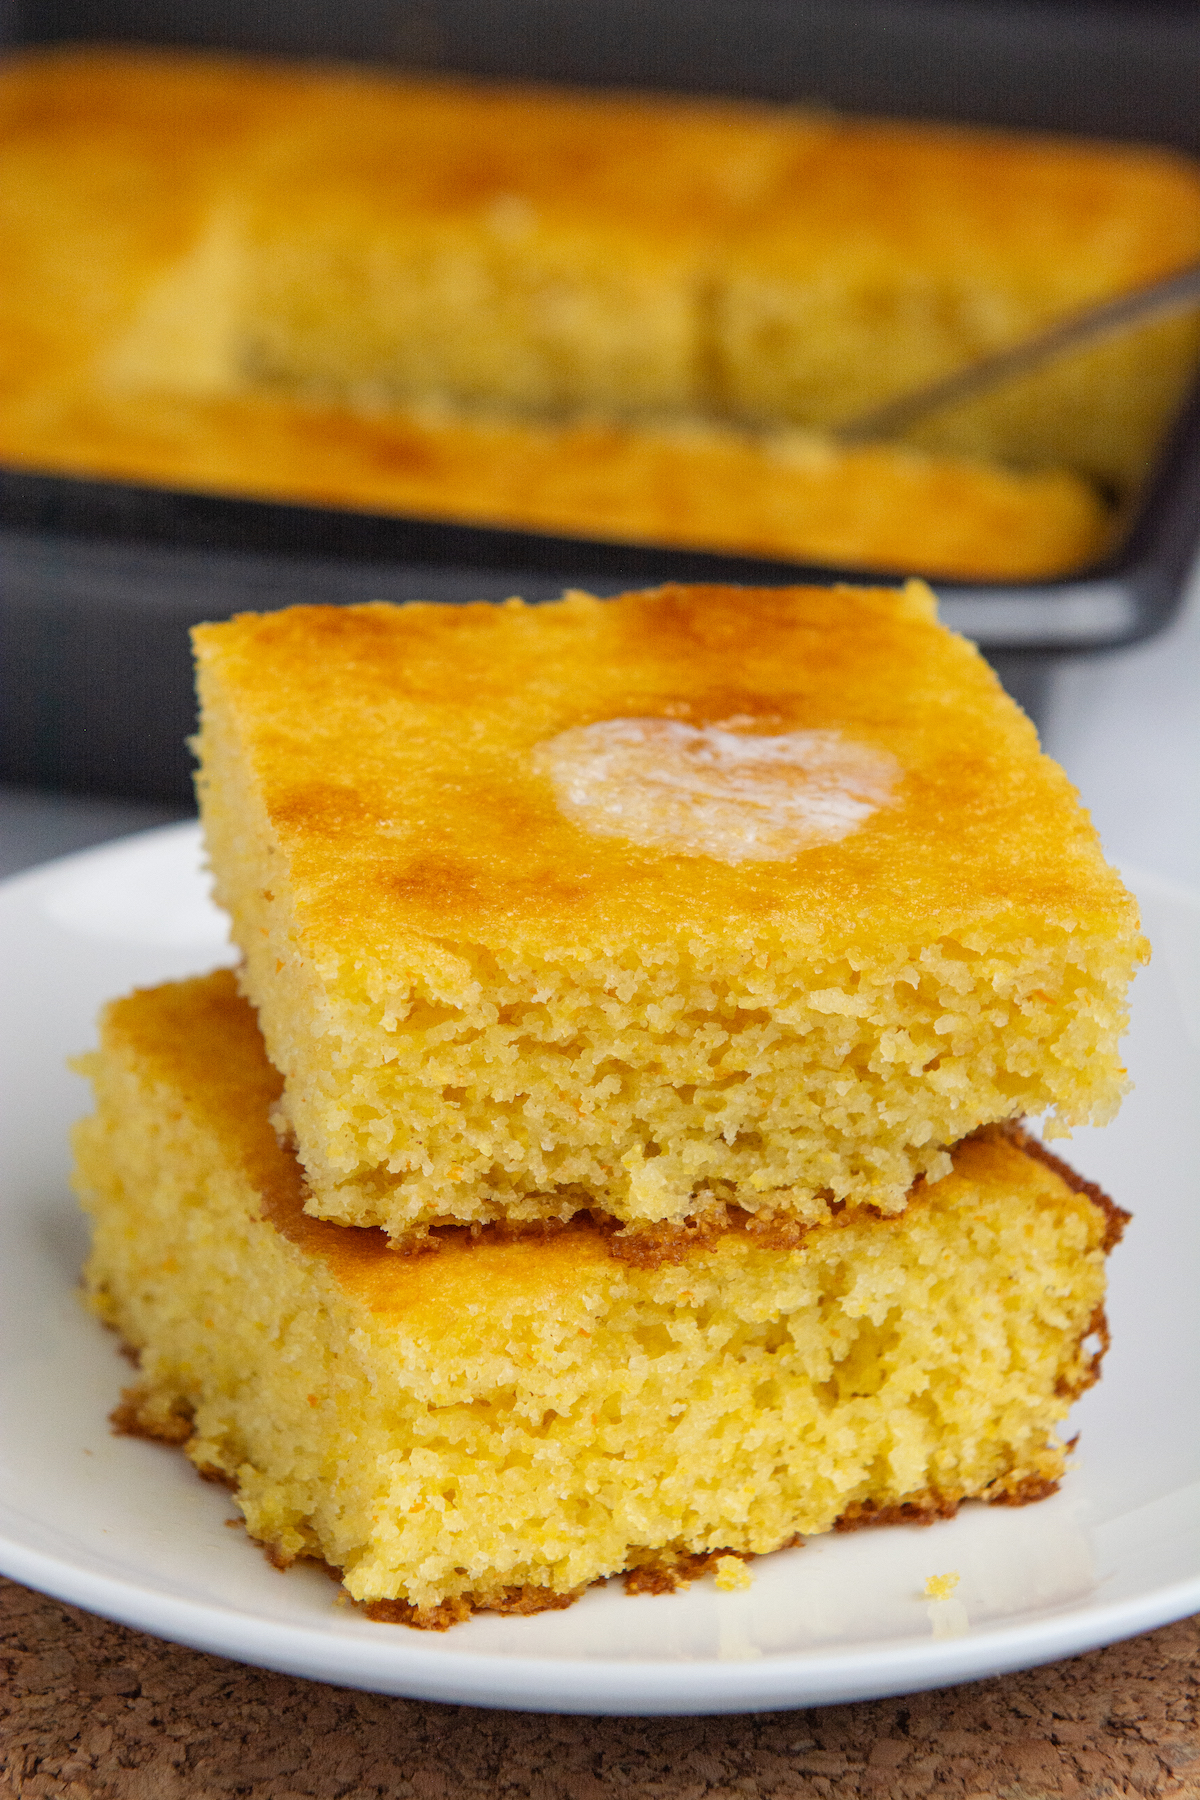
[(99, 581)]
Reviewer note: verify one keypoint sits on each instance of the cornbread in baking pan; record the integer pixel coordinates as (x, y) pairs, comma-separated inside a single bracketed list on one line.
[(697, 898), (370, 291), (504, 247), (505, 1421)]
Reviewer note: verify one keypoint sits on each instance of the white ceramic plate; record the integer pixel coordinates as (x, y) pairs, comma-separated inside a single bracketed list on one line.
[(126, 1529)]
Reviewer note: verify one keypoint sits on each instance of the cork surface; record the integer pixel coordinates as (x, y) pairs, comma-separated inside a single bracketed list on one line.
[(92, 1711)]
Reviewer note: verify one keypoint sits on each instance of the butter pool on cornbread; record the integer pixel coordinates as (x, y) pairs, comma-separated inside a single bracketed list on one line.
[(695, 899), (500, 1423)]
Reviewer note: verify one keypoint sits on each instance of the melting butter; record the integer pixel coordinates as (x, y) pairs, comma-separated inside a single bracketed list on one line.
[(702, 790)]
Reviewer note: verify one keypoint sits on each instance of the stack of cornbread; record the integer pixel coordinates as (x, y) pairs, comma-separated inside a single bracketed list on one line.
[(621, 315), (606, 1156)]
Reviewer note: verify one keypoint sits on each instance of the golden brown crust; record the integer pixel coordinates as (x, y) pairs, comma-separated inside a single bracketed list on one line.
[(928, 1507), (1027, 1490), (521, 1601), (667, 1571), (651, 1246), (1089, 1374), (219, 1478), (1116, 1217), (132, 1418), (509, 871), (920, 1509), (646, 1246), (639, 1244)]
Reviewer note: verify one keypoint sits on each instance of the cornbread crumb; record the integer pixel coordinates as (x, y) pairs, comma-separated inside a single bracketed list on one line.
[(940, 1587), (503, 1423), (730, 1574)]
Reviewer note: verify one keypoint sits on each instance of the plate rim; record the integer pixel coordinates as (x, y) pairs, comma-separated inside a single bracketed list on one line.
[(568, 1684)]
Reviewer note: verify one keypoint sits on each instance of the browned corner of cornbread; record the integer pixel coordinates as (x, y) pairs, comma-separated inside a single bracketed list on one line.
[(694, 899), (1116, 1216), (499, 1425)]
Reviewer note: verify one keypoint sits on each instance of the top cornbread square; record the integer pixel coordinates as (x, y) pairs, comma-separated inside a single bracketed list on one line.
[(694, 898)]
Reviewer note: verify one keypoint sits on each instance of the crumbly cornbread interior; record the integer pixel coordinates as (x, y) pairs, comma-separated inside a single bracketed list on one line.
[(506, 1420), (469, 303), (487, 1002)]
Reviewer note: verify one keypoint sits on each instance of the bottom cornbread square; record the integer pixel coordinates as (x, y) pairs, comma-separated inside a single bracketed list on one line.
[(501, 1421)]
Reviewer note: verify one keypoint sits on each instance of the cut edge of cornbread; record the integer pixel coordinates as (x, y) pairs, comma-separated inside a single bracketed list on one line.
[(498, 1425), (443, 1069)]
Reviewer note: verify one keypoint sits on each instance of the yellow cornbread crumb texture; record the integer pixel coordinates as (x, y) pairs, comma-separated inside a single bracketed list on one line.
[(940, 1587), (482, 1009), (731, 1574), (533, 1413)]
